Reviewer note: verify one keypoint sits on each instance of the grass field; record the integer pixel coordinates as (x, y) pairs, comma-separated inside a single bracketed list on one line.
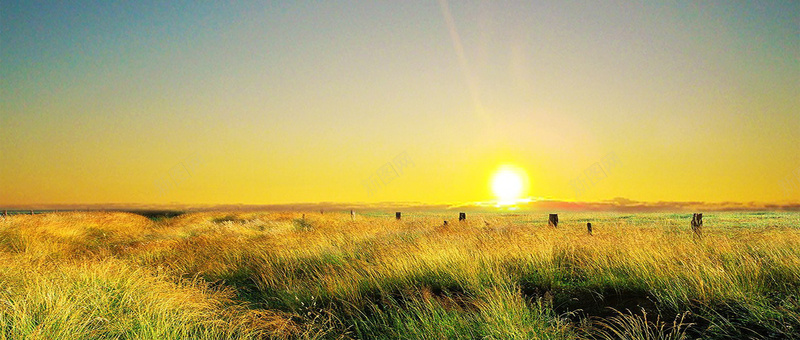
[(325, 276)]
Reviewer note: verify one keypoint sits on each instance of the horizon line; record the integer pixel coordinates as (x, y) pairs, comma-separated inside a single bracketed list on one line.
[(526, 204)]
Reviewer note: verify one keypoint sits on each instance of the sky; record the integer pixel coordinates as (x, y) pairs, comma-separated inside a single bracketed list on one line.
[(397, 101)]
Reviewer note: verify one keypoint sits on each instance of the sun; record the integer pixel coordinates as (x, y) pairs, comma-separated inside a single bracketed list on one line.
[(509, 184)]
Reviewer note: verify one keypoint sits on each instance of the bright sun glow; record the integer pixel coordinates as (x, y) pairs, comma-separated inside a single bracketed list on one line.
[(509, 184)]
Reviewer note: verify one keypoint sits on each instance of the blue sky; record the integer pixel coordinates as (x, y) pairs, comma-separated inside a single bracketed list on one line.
[(303, 101)]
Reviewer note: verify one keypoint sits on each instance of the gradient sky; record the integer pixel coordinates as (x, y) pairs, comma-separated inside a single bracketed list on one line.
[(280, 102)]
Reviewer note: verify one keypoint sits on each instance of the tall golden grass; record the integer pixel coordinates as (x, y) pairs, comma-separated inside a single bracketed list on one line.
[(252, 275)]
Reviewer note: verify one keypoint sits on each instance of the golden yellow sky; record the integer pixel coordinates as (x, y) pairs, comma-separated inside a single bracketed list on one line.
[(318, 102)]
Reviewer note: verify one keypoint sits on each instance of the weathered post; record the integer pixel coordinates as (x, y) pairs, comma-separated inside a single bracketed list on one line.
[(697, 224), (553, 221), (397, 215), (462, 216), (589, 228)]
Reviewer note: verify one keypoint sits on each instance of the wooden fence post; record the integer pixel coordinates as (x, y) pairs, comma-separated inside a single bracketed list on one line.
[(697, 224), (553, 220), (397, 215), (462, 216), (589, 228)]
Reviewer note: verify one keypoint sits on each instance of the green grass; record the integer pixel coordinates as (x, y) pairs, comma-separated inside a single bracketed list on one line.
[(494, 276)]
